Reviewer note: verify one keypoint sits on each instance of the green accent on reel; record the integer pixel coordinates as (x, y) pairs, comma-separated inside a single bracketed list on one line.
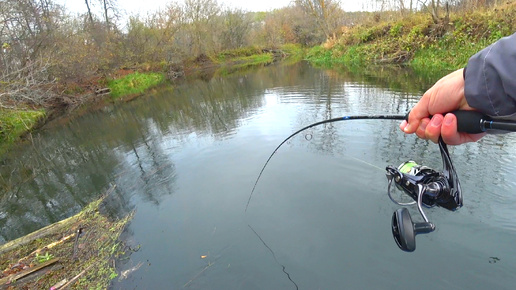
[(407, 166)]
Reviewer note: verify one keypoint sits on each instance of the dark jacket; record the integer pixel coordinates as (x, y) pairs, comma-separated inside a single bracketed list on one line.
[(490, 79)]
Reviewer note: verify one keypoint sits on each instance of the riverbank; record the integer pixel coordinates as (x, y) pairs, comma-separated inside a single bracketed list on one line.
[(15, 123), (127, 83), (77, 252), (419, 41)]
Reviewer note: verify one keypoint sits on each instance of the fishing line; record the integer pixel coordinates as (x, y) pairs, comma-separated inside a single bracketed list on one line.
[(308, 137), (365, 162), (274, 256), (345, 118)]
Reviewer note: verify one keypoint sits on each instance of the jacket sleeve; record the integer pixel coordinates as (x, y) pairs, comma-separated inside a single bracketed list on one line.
[(490, 79)]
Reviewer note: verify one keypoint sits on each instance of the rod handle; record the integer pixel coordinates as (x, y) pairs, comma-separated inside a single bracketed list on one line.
[(471, 122)]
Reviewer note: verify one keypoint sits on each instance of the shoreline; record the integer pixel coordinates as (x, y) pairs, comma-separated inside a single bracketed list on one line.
[(78, 251), (17, 124)]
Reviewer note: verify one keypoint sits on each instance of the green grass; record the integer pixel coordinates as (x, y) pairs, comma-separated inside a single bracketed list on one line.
[(415, 40), (15, 123), (253, 60), (234, 60), (244, 62), (134, 84), (236, 54), (320, 55), (449, 53), (293, 51)]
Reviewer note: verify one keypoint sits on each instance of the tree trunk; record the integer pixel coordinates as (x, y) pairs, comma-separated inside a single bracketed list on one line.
[(434, 11), (89, 11), (106, 13)]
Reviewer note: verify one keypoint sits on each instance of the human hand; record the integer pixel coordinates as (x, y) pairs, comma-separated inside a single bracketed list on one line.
[(444, 96)]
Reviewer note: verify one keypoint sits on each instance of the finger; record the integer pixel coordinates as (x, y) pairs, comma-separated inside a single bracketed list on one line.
[(475, 137), (449, 131), (403, 125), (452, 137), (417, 113), (433, 130), (420, 132)]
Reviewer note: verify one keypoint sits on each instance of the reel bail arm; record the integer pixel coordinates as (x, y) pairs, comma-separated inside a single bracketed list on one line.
[(426, 187)]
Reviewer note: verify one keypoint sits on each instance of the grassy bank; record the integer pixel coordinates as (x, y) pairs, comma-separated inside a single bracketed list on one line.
[(230, 61), (15, 123), (254, 55), (134, 84), (419, 42)]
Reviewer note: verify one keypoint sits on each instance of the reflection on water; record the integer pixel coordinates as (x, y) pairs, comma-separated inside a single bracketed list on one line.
[(186, 157)]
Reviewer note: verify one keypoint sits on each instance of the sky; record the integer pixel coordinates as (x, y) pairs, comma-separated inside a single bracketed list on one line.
[(142, 6)]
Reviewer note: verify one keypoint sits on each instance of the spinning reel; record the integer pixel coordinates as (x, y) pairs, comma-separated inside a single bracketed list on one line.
[(427, 187)]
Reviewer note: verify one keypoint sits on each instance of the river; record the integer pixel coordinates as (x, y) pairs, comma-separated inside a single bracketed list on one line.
[(185, 158)]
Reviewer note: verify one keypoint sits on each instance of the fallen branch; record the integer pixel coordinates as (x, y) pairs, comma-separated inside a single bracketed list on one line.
[(76, 277), (49, 246), (102, 91), (22, 274)]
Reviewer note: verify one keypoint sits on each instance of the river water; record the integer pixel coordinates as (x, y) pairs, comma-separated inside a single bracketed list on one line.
[(186, 158)]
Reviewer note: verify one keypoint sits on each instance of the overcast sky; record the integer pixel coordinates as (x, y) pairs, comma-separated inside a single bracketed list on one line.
[(143, 6)]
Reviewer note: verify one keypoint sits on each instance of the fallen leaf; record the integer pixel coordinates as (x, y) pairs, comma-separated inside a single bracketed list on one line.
[(204, 257)]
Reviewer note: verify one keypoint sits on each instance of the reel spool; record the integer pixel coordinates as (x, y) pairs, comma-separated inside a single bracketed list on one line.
[(426, 187)]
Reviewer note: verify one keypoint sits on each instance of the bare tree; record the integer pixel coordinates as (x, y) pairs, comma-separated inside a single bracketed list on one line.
[(27, 85), (434, 8), (402, 6), (236, 24), (27, 30), (199, 14), (153, 38), (326, 13), (106, 17), (90, 15), (110, 13)]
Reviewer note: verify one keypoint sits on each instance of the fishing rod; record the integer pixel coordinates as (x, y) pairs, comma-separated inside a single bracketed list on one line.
[(426, 186), (345, 118)]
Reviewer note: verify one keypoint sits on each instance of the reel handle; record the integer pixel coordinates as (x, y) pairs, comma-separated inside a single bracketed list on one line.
[(404, 230), (472, 122)]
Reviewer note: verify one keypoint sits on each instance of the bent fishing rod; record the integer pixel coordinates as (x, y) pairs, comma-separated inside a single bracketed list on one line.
[(426, 186), (345, 118)]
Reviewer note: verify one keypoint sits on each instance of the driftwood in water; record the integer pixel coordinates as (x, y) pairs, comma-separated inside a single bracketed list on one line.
[(54, 228), (102, 91), (43, 232)]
